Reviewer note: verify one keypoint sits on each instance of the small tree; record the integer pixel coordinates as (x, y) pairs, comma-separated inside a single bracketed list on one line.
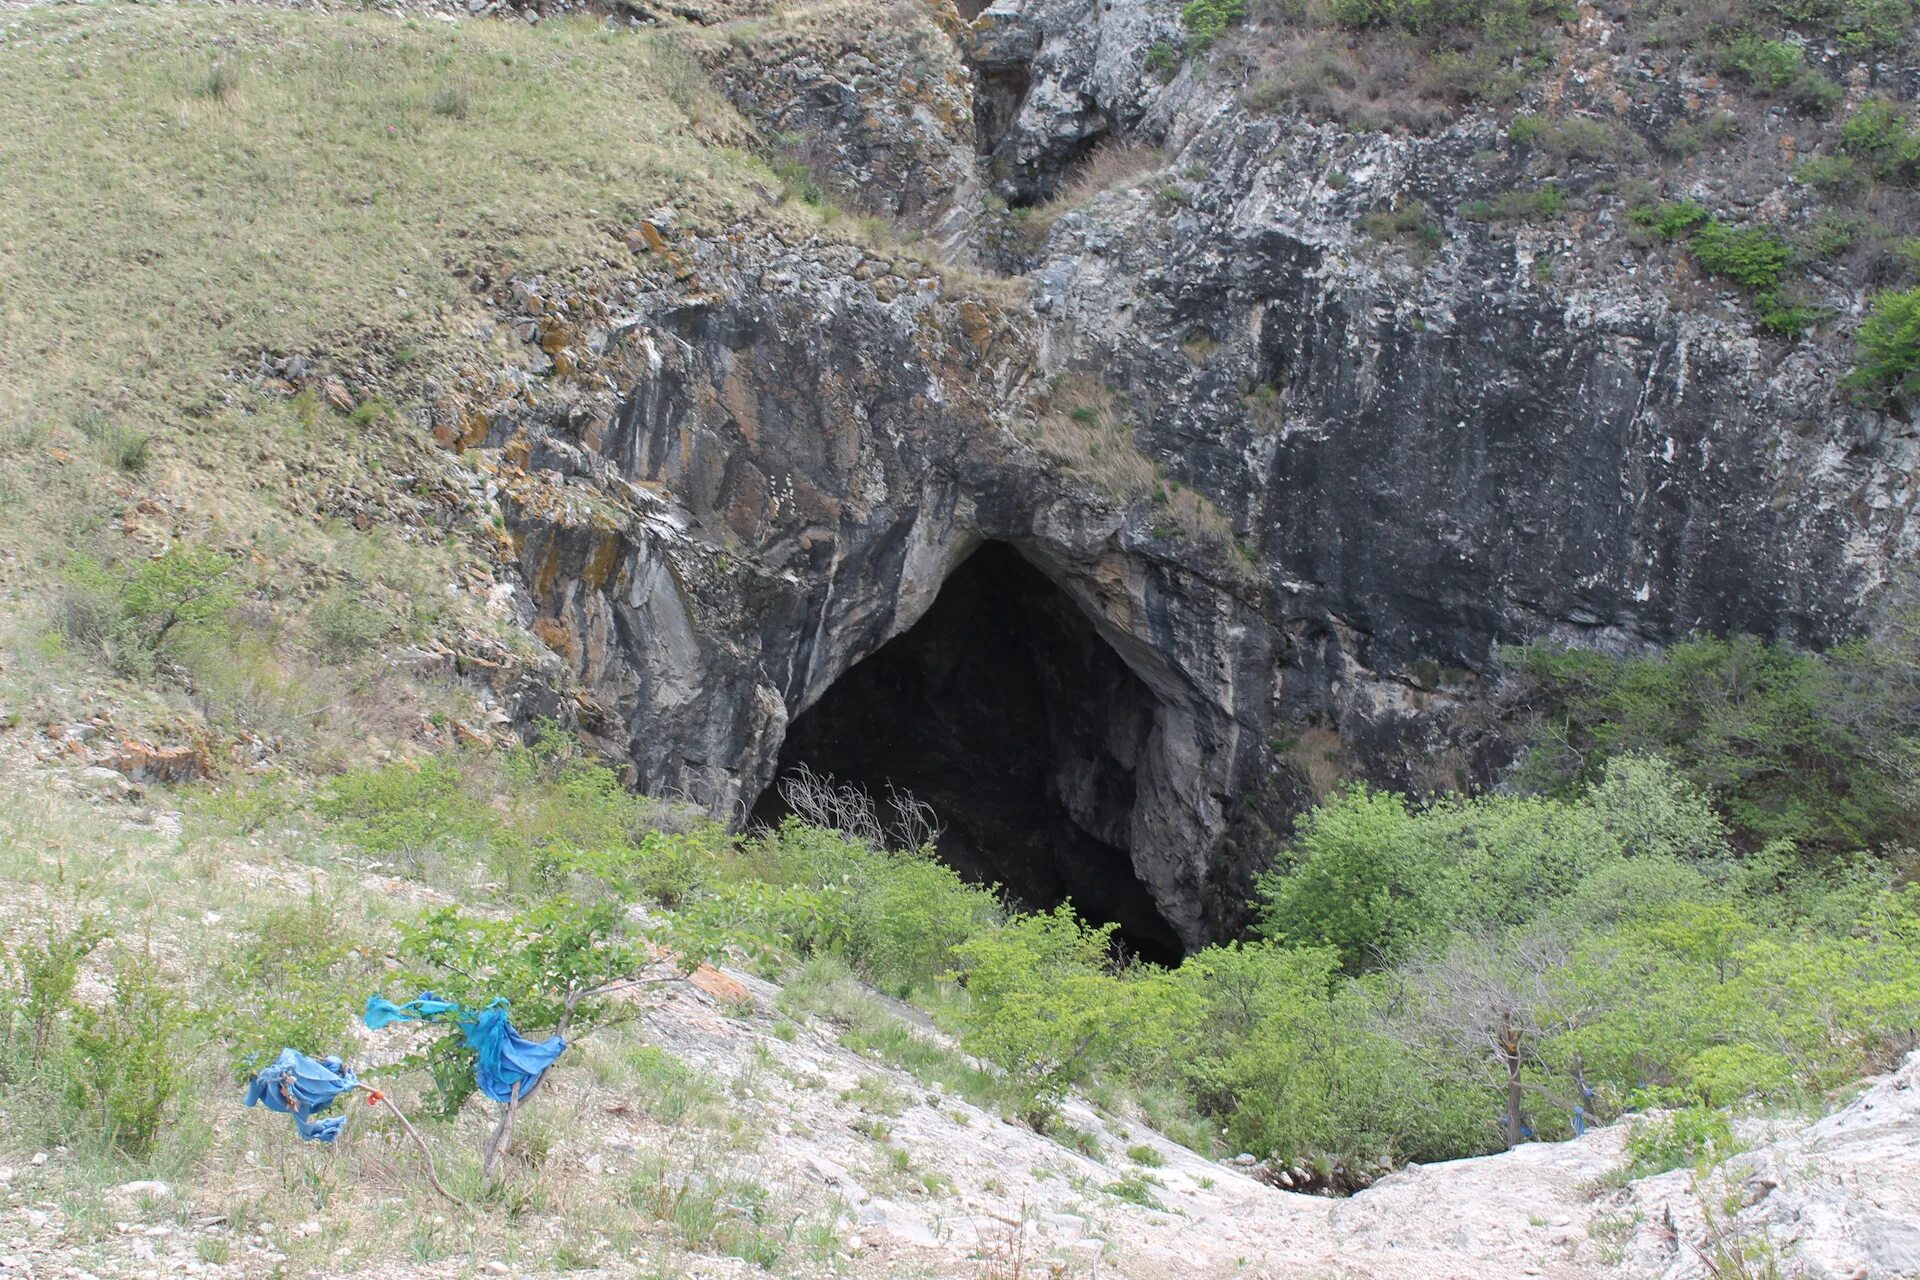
[(1499, 999), (558, 964)]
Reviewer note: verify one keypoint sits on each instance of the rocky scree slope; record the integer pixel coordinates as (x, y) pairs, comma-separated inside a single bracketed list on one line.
[(1357, 461)]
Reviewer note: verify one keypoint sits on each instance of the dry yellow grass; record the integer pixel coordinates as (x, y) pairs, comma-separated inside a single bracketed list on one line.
[(1086, 428), (1111, 165)]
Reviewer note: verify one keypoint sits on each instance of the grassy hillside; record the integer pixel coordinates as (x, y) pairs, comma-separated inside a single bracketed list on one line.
[(191, 192)]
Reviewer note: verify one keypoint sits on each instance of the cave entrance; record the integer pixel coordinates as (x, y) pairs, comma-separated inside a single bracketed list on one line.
[(1007, 712)]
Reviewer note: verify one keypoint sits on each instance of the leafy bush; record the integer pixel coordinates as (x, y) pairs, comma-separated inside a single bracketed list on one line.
[(48, 971), (294, 982), (123, 1068), (908, 920), (1696, 1136), (1838, 177), (1787, 317), (1163, 61), (1670, 221), (1044, 1005), (1297, 1063), (1778, 68), (1887, 348), (1407, 220), (1379, 882), (1789, 745), (1569, 137), (401, 808), (133, 617), (1356, 879), (1753, 257), (1725, 1074), (1880, 133), (1546, 201), (1207, 20)]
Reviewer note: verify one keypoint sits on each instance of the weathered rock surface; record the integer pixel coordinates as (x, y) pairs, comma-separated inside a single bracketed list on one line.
[(751, 463)]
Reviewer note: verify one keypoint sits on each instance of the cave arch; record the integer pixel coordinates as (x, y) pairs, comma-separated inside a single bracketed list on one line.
[(1005, 709)]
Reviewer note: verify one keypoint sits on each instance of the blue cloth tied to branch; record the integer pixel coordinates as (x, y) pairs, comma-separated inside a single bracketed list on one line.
[(503, 1057), (300, 1086)]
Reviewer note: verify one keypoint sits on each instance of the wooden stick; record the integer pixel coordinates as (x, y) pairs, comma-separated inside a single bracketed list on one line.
[(433, 1174), (497, 1144)]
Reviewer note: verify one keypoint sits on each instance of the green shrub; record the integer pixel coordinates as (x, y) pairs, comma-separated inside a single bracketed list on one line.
[(1725, 1074), (1569, 137), (1778, 68), (1163, 61), (1752, 257), (1767, 65), (1828, 235), (1880, 133), (1697, 1136), (1545, 201), (1207, 20), (1407, 221), (318, 971), (1787, 317), (1044, 1005), (134, 616), (344, 625), (404, 808), (1356, 879), (910, 917), (1887, 348), (1838, 177), (123, 1067), (1669, 221), (48, 970), (1135, 1189), (1789, 745), (1379, 882)]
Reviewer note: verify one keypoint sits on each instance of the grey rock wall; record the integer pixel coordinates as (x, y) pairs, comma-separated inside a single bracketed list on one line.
[(769, 456)]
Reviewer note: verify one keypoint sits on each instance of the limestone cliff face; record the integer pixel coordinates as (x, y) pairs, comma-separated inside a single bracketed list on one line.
[(753, 463)]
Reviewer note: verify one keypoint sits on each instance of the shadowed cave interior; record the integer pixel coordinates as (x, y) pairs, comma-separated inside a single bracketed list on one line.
[(1004, 710)]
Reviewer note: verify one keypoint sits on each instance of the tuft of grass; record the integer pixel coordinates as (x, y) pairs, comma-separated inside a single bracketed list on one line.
[(120, 446), (1135, 1189), (221, 83), (1107, 167)]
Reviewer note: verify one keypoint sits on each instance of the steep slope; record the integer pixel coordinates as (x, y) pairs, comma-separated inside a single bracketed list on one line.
[(1306, 415), (736, 1128)]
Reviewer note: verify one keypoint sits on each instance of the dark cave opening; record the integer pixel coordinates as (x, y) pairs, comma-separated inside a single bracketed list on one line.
[(1006, 711)]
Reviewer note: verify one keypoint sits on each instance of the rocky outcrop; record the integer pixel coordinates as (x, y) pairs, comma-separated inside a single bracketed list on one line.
[(749, 461), (751, 477)]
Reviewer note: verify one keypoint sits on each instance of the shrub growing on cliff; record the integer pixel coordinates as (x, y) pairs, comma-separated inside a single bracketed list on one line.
[(1669, 221), (1778, 68), (1887, 349), (1207, 20), (1752, 257), (1790, 745), (1880, 133)]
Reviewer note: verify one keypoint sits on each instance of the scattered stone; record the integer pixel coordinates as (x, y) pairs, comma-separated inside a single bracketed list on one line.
[(142, 762), (153, 1190), (897, 1221)]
